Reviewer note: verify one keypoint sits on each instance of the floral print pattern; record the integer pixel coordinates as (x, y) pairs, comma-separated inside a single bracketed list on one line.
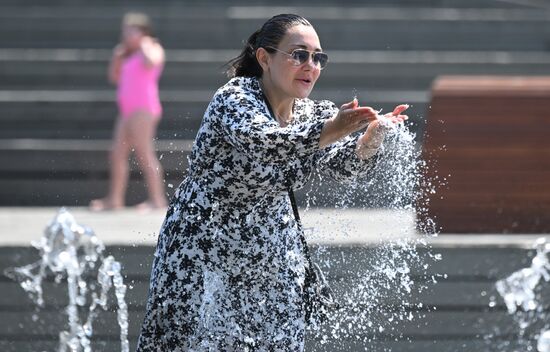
[(228, 272)]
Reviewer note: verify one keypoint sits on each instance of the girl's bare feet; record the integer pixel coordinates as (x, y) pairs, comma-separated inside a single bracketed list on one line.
[(105, 204)]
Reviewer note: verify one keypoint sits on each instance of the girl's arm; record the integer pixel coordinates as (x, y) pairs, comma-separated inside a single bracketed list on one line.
[(152, 52), (119, 52)]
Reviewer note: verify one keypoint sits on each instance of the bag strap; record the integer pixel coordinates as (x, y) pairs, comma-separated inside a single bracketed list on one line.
[(299, 221), (292, 199)]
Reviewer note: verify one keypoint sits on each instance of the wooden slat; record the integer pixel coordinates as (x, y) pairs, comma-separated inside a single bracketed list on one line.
[(487, 138), (491, 86)]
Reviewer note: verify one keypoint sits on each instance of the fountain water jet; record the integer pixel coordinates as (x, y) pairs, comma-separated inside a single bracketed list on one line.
[(378, 290), (73, 252), (519, 291)]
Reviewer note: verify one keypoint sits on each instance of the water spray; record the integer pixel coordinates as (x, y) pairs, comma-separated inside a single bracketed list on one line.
[(73, 252)]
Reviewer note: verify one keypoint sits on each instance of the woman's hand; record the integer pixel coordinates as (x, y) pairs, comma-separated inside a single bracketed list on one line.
[(350, 118), (370, 141)]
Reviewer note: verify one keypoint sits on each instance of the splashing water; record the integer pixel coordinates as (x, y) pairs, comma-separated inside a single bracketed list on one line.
[(71, 251), (518, 290), (543, 343), (378, 288), (521, 294)]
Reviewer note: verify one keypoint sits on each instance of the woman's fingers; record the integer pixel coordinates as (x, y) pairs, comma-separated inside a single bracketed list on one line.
[(392, 117), (361, 116), (351, 105), (400, 118), (399, 109)]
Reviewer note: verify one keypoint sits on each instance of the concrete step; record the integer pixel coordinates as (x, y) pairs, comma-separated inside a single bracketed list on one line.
[(449, 294), (65, 172), (90, 120), (91, 113), (406, 344), (72, 172), (449, 324), (342, 3), (455, 313), (339, 28), (196, 69)]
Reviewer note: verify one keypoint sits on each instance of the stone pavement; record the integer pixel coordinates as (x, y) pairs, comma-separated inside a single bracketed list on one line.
[(21, 225)]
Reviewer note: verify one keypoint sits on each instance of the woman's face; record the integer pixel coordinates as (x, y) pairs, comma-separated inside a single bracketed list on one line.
[(294, 80), (131, 37)]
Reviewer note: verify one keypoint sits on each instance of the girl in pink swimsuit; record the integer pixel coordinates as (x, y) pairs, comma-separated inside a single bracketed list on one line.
[(135, 69)]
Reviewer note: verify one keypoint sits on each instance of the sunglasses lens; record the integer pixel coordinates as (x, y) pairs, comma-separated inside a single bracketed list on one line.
[(320, 58), (300, 56)]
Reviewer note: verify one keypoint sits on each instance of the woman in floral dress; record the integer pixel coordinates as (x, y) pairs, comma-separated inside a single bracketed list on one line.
[(228, 273)]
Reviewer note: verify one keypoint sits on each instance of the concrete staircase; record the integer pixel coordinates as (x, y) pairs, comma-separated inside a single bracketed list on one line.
[(455, 314), (53, 60)]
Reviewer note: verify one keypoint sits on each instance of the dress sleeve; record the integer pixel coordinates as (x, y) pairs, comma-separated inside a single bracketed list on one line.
[(246, 124), (339, 160)]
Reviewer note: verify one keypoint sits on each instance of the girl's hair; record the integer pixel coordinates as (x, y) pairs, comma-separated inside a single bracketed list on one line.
[(269, 35), (138, 20)]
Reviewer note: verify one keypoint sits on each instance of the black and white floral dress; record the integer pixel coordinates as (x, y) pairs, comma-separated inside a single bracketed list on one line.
[(229, 264)]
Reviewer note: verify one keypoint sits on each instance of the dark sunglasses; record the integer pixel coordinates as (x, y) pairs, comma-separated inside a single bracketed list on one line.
[(301, 56)]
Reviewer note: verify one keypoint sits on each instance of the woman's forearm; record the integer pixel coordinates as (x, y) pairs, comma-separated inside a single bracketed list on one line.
[(337, 128)]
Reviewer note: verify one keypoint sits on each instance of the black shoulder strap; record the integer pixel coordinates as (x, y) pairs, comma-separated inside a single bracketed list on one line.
[(294, 206)]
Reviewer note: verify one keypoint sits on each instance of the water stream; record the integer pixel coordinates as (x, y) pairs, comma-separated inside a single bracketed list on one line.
[(381, 281), (73, 253), (522, 293)]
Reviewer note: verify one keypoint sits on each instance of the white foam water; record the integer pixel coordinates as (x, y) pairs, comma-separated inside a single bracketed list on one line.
[(521, 292), (377, 297), (73, 252), (543, 343)]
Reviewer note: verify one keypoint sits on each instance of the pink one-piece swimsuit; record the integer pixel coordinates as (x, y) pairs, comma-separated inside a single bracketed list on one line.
[(138, 87)]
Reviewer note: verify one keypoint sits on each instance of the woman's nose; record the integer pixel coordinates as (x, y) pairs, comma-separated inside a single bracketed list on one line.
[(310, 64)]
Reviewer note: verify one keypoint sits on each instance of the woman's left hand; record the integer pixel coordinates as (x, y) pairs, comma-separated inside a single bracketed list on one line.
[(370, 141)]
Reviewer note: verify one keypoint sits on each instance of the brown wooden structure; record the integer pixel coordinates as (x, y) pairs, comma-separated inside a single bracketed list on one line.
[(489, 138)]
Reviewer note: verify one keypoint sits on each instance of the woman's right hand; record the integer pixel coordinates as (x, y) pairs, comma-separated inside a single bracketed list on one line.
[(350, 118)]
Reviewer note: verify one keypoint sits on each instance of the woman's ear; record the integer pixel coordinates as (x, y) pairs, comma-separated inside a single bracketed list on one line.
[(263, 58)]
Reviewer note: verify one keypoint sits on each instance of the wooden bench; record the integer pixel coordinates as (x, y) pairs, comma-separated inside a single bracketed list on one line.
[(488, 139)]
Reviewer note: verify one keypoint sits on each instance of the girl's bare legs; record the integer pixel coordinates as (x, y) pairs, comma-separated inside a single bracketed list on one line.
[(143, 129), (119, 169)]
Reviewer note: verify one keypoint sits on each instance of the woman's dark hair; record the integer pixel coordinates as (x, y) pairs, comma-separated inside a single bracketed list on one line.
[(270, 35)]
